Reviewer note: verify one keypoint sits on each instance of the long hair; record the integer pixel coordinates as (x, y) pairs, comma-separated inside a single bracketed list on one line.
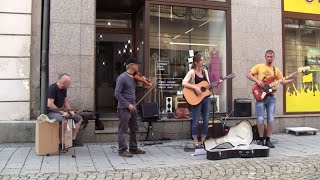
[(196, 59)]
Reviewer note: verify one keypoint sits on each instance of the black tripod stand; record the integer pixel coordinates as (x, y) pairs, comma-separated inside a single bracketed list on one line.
[(150, 130)]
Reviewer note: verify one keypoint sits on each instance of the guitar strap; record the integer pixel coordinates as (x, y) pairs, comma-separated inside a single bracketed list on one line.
[(274, 72)]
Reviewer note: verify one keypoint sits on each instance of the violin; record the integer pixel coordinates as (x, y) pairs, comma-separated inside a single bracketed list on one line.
[(138, 77)]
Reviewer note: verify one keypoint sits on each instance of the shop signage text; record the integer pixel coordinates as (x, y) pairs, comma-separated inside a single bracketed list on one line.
[(169, 84)]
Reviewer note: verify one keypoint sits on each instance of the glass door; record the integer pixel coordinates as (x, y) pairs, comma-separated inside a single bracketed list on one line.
[(111, 52)]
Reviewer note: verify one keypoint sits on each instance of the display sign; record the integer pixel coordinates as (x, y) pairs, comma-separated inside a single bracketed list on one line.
[(162, 67), (302, 6), (169, 84), (305, 97)]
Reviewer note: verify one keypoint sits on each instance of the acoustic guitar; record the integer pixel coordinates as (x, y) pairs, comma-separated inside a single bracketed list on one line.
[(193, 98), (270, 83)]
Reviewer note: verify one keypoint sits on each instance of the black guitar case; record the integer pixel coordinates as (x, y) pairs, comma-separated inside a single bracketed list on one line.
[(239, 140)]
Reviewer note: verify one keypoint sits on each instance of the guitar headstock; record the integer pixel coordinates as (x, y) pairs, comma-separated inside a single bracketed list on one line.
[(303, 69), (230, 76)]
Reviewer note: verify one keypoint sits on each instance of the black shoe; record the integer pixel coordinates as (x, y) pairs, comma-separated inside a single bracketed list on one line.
[(125, 154), (261, 142), (76, 143), (269, 144)]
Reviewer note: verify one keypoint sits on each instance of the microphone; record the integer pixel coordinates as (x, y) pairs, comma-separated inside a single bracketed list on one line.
[(206, 66)]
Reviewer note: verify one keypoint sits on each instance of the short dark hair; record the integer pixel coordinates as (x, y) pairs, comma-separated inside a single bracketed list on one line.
[(269, 51)]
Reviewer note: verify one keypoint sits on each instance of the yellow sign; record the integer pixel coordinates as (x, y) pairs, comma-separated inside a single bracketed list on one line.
[(305, 99), (302, 6)]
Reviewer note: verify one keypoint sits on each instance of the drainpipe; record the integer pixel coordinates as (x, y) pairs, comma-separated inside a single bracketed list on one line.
[(44, 55)]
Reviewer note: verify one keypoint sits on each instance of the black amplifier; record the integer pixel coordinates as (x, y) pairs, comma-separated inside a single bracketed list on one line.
[(242, 107)]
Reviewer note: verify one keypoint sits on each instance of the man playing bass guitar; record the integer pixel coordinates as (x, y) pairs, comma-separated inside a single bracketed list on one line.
[(259, 74)]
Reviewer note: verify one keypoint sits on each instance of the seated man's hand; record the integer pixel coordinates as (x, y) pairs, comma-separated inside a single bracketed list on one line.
[(71, 113), (65, 114)]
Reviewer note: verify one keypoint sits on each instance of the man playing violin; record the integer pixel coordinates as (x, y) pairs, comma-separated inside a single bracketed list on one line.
[(125, 93)]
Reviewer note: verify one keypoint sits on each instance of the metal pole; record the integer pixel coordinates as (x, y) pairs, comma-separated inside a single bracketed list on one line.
[(44, 55)]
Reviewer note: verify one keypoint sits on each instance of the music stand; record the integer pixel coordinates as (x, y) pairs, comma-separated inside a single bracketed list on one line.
[(150, 114)]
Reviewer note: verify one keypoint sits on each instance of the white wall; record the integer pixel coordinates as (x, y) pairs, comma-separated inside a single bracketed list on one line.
[(15, 40)]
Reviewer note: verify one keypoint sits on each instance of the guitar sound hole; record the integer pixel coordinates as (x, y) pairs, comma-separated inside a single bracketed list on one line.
[(203, 89)]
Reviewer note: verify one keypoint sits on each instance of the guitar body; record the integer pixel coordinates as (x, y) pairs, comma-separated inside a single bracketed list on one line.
[(260, 93), (194, 99)]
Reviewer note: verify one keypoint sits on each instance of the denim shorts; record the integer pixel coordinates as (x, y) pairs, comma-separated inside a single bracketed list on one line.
[(58, 117), (268, 104)]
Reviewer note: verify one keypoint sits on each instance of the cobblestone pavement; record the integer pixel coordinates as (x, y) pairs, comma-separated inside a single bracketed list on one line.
[(295, 157)]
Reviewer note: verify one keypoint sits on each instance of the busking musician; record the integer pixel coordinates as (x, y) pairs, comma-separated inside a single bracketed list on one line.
[(125, 93), (56, 99), (195, 76), (259, 74)]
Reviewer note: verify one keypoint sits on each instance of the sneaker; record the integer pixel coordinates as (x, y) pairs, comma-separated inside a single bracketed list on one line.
[(76, 143), (261, 142), (269, 144), (125, 154), (138, 151)]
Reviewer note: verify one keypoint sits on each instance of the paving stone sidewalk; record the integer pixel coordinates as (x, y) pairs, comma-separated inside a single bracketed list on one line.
[(295, 157)]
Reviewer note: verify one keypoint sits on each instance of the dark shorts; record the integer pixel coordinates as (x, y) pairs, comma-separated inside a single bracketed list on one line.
[(58, 117)]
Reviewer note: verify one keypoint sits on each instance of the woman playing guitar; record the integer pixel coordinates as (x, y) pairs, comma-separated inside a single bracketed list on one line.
[(195, 76)]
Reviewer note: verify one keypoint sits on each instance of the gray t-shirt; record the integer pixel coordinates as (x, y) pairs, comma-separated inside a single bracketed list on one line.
[(125, 91)]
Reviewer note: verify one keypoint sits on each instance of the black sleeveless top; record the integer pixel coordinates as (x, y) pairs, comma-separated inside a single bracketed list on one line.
[(199, 79)]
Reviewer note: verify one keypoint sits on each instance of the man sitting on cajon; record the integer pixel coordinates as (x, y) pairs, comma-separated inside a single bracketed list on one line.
[(57, 98)]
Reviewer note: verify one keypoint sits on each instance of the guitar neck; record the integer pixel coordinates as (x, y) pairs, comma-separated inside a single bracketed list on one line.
[(275, 82)]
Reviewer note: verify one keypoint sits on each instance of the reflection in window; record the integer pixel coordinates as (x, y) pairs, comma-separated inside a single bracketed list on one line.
[(176, 34), (302, 48)]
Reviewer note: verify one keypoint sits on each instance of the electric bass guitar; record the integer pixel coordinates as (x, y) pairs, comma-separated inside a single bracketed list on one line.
[(269, 85), (193, 98)]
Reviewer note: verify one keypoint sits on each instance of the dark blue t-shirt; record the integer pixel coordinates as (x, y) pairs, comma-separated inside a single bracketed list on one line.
[(57, 94)]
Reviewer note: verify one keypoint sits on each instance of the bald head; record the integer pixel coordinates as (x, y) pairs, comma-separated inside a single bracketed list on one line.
[(64, 81)]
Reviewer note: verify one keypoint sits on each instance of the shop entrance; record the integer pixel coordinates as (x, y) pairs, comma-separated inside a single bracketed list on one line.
[(111, 52), (117, 39)]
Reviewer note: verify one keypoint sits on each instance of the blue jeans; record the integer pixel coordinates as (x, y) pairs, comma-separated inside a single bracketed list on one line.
[(204, 108), (267, 104)]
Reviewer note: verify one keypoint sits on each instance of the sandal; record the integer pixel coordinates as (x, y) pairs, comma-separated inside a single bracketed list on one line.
[(137, 151)]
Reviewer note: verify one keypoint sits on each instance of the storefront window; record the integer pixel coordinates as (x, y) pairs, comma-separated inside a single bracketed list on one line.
[(302, 48), (176, 34)]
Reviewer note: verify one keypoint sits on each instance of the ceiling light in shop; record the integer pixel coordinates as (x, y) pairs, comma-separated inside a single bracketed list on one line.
[(203, 23), (129, 41), (119, 52), (101, 36), (125, 46), (176, 37), (137, 49), (131, 50), (189, 31), (109, 23), (192, 44), (124, 51)]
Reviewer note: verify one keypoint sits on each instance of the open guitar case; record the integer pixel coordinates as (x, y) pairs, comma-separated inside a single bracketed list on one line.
[(236, 144)]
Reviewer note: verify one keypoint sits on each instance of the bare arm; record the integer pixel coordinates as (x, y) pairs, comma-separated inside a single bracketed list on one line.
[(251, 77), (52, 106)]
